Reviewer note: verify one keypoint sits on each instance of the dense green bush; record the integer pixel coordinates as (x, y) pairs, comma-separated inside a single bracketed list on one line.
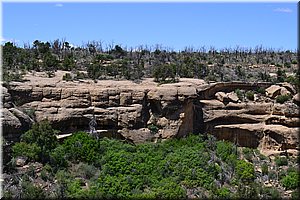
[(261, 90), (291, 180), (166, 170), (165, 73), (31, 151), (223, 193), (81, 147), (245, 171), (58, 158), (42, 135), (281, 161), (225, 149), (282, 98)]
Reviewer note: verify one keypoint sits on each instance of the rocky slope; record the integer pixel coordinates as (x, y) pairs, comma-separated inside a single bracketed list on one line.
[(147, 111)]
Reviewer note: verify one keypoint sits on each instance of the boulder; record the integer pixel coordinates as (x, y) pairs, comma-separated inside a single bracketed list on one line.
[(289, 87), (273, 91), (296, 98), (10, 123), (284, 91), (162, 122), (221, 96), (232, 96), (6, 98), (137, 136), (25, 120)]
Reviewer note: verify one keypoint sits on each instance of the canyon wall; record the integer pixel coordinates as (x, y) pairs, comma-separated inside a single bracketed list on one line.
[(146, 111)]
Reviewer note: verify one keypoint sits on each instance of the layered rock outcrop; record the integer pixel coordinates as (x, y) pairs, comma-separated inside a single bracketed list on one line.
[(148, 111), (122, 108), (262, 123)]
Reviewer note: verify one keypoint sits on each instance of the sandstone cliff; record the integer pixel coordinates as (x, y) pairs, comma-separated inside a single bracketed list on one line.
[(147, 111)]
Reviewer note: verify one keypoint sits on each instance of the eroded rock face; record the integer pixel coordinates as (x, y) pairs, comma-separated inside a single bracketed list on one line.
[(14, 123), (125, 109), (148, 112), (264, 125)]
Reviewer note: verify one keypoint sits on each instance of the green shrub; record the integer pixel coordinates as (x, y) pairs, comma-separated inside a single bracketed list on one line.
[(247, 191), (58, 158), (165, 73), (211, 77), (291, 169), (42, 135), (281, 161), (291, 180), (79, 75), (63, 178), (295, 194), (75, 190), (250, 95), (239, 93), (272, 175), (294, 62), (68, 63), (29, 191), (268, 193), (281, 173), (169, 190), (224, 150), (261, 90), (153, 128), (282, 98), (223, 193), (281, 75), (44, 175), (245, 171), (248, 153), (67, 77), (82, 147), (86, 171), (31, 151), (264, 169)]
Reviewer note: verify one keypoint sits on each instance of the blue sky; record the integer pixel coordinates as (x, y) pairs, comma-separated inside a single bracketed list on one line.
[(174, 25)]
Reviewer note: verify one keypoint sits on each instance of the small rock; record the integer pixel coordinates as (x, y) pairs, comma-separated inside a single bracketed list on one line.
[(162, 122), (21, 161)]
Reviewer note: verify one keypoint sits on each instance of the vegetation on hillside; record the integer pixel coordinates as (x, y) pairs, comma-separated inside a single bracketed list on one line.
[(163, 64), (84, 167)]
